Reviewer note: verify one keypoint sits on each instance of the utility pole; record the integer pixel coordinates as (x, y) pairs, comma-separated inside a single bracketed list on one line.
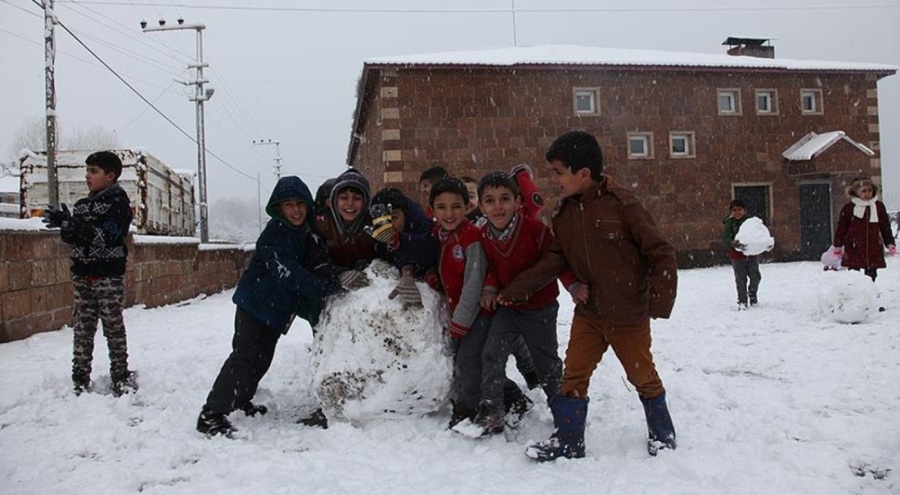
[(201, 95), (50, 98), (277, 168)]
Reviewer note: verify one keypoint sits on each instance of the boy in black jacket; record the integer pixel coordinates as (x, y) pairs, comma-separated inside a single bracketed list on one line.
[(96, 230)]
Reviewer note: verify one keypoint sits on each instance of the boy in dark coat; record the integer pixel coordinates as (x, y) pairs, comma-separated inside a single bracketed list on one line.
[(628, 275), (289, 275), (404, 239), (96, 229), (864, 230), (746, 268)]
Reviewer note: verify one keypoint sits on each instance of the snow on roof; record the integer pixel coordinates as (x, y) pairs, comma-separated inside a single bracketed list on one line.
[(587, 55), (812, 145)]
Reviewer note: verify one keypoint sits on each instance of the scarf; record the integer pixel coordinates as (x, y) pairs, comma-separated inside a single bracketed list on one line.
[(859, 209)]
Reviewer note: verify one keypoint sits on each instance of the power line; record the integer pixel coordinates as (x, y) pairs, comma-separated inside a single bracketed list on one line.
[(141, 96), (750, 8), (23, 9)]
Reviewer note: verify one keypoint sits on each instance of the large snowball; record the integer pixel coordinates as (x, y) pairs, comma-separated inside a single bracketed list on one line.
[(847, 296), (373, 359), (755, 237)]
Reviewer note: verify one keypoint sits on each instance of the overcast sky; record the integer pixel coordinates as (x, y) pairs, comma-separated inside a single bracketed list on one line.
[(288, 73)]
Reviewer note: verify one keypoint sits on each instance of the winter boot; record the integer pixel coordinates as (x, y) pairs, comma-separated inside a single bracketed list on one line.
[(659, 424), (569, 414), (489, 421), (518, 406), (316, 419), (532, 380), (126, 384), (459, 415), (251, 409), (82, 387), (212, 423)]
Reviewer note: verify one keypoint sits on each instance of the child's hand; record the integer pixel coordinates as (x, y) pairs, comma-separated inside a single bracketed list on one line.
[(54, 218), (581, 293), (489, 302), (408, 292), (892, 250), (353, 279), (838, 251)]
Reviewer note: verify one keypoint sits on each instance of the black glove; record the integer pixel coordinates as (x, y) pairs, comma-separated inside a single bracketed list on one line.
[(382, 229), (54, 218), (353, 279), (408, 292)]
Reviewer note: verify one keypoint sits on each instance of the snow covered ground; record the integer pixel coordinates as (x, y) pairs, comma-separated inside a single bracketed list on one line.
[(778, 399)]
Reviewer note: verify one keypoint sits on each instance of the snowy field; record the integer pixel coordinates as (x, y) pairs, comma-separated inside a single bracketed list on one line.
[(778, 399)]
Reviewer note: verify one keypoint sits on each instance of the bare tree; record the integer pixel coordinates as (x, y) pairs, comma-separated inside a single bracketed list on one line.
[(91, 138), (31, 135)]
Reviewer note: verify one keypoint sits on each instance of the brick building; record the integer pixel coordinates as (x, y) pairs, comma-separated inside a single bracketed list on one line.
[(688, 132)]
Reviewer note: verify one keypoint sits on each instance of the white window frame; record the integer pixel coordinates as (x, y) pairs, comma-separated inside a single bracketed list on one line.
[(593, 94), (733, 95), (772, 96), (690, 148), (647, 139), (817, 102)]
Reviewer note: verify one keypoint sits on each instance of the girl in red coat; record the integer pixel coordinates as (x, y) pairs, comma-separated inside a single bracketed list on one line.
[(864, 230)]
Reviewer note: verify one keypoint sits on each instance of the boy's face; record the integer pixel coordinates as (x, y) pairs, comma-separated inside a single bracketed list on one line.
[(97, 179), (294, 211), (398, 220), (571, 183), (449, 209), (738, 212), (349, 204), (425, 189), (473, 197), (499, 204)]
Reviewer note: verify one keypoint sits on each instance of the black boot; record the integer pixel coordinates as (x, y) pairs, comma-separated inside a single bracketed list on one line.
[(569, 414), (125, 384), (316, 419), (460, 414), (251, 409), (212, 423), (659, 424)]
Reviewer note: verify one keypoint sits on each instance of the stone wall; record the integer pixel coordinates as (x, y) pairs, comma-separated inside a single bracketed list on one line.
[(36, 289)]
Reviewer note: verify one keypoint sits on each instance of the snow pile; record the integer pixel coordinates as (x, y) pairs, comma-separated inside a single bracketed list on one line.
[(372, 359), (755, 237), (850, 298)]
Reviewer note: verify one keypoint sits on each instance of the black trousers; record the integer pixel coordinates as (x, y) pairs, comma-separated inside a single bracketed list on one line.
[(252, 350)]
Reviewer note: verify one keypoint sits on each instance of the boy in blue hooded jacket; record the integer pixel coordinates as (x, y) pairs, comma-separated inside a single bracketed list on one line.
[(289, 275)]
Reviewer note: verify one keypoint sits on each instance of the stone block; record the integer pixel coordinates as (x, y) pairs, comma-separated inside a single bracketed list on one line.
[(16, 304), (21, 275)]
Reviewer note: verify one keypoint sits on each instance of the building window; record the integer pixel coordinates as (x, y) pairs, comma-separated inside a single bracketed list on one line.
[(586, 101), (681, 145), (766, 102), (729, 101), (640, 145), (811, 101)]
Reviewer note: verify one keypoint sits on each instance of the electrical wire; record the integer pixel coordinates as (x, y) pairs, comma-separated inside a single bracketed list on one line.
[(142, 97)]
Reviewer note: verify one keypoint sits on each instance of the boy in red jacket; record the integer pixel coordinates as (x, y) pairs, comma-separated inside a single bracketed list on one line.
[(462, 266), (512, 241)]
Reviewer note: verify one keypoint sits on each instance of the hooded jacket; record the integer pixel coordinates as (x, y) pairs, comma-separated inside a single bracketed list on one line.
[(289, 274), (349, 246), (416, 246)]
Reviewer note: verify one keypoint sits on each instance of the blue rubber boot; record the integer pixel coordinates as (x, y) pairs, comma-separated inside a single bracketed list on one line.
[(569, 414), (659, 424)]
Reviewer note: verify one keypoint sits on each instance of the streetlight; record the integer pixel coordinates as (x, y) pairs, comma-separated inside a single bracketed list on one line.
[(201, 95)]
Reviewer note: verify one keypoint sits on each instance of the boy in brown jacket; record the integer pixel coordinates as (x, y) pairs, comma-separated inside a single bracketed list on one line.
[(627, 272)]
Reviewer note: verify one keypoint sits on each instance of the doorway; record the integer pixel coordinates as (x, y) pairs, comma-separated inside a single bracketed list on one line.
[(815, 219)]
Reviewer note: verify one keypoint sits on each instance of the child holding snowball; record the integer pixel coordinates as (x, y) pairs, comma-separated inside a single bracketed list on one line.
[(746, 268)]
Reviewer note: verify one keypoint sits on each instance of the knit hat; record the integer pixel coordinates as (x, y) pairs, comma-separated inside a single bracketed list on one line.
[(390, 196), (350, 179)]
